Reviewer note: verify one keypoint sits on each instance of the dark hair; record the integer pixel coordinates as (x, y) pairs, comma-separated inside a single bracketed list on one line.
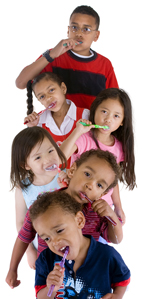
[(87, 10), (30, 86), (22, 146), (54, 199), (124, 133), (103, 155)]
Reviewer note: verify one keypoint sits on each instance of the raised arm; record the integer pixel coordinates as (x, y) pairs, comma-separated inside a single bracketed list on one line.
[(32, 70), (68, 147)]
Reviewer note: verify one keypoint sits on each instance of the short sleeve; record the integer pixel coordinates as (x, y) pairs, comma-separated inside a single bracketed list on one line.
[(27, 232), (119, 270)]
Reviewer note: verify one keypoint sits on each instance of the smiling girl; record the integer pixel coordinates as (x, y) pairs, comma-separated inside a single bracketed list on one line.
[(112, 107)]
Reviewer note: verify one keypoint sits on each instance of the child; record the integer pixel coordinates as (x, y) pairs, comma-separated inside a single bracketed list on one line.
[(88, 180), (91, 268), (112, 107), (33, 171), (61, 116), (84, 71)]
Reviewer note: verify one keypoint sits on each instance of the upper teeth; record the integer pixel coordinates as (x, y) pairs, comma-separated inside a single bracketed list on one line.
[(63, 248)]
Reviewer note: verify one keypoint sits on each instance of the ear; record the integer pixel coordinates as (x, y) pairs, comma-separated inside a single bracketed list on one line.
[(97, 34), (80, 220), (64, 87), (26, 167), (68, 32), (72, 170)]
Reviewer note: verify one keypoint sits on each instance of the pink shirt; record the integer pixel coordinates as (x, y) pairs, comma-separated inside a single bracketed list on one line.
[(85, 142)]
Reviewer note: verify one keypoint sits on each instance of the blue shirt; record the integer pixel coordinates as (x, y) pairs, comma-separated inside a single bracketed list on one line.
[(103, 266)]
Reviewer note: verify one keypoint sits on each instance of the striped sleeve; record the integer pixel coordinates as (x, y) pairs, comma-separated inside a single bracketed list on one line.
[(27, 232)]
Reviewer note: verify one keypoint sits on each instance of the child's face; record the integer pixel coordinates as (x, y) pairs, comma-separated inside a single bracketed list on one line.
[(90, 179), (50, 94), (42, 160), (109, 113), (60, 229), (83, 21)]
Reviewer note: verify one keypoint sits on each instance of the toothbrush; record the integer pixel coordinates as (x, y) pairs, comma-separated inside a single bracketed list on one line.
[(64, 183), (96, 126), (39, 113), (65, 45), (62, 265), (108, 218)]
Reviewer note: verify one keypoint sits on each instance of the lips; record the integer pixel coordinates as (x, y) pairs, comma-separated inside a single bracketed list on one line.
[(51, 167), (63, 249), (84, 196), (52, 105)]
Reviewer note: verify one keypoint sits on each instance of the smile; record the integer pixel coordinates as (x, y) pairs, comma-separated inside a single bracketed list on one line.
[(52, 105), (52, 167)]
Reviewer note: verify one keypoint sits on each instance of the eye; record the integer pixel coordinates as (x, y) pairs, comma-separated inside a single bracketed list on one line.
[(60, 231), (116, 116), (86, 29), (104, 111), (100, 185), (87, 174), (37, 158), (41, 97), (51, 90), (51, 150), (46, 239)]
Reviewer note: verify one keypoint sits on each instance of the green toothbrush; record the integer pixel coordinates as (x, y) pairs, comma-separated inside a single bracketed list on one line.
[(96, 126)]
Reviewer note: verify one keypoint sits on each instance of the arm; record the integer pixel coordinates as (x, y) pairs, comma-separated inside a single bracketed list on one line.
[(118, 293), (102, 208), (18, 252), (117, 203), (21, 210), (68, 147), (32, 70)]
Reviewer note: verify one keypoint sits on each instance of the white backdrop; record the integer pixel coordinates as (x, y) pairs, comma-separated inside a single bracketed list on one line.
[(28, 28)]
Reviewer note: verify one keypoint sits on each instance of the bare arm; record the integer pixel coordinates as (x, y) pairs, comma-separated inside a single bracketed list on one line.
[(32, 70), (68, 147), (102, 208), (117, 204), (17, 254)]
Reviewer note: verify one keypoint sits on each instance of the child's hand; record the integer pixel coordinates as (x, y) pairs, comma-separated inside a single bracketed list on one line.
[(59, 49), (11, 279), (102, 208), (55, 277), (62, 178), (84, 129), (120, 214), (32, 119)]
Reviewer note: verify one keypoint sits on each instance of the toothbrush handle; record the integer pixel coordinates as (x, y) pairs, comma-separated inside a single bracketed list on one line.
[(110, 220), (51, 290)]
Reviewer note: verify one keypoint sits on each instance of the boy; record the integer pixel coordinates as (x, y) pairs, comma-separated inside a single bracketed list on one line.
[(88, 180), (91, 268), (84, 71)]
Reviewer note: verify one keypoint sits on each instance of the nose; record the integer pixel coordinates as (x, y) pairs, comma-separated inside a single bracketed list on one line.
[(89, 185), (108, 119), (79, 32), (56, 241)]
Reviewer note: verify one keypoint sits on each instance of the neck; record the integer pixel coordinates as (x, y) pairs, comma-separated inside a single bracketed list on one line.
[(85, 244), (60, 114), (42, 180), (106, 139)]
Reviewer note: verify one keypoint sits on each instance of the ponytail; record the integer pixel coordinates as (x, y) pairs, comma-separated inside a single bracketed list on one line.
[(29, 98)]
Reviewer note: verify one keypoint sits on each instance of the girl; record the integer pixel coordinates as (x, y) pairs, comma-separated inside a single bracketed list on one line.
[(35, 158), (112, 107), (61, 115)]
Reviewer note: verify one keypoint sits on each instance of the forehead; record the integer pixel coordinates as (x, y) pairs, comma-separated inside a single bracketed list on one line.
[(82, 19), (112, 104), (43, 84), (41, 146), (98, 167), (53, 218)]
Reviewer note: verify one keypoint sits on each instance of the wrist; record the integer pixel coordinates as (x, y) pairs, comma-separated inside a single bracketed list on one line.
[(47, 55)]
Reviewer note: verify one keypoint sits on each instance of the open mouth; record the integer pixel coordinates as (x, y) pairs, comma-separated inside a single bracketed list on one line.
[(84, 196), (52, 105), (52, 167), (64, 249)]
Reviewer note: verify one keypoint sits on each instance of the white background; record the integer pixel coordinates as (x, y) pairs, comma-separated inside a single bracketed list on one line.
[(28, 28)]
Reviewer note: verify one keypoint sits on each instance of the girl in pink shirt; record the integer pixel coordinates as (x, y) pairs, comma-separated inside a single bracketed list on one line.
[(112, 108)]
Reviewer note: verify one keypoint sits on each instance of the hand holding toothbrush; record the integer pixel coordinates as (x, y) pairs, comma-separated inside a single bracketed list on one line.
[(32, 119), (55, 278)]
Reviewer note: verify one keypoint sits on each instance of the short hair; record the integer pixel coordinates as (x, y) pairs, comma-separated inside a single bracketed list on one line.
[(87, 10), (54, 199), (103, 155)]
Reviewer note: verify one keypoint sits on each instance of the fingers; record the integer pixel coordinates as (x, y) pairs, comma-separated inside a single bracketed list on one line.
[(32, 119), (55, 277), (63, 46), (102, 208)]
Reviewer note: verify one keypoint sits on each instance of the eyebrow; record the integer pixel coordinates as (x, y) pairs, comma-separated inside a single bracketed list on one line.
[(102, 180), (83, 24), (109, 110), (54, 227), (37, 154), (43, 91)]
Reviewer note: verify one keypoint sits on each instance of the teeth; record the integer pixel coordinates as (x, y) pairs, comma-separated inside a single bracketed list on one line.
[(63, 248), (51, 105), (51, 167)]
